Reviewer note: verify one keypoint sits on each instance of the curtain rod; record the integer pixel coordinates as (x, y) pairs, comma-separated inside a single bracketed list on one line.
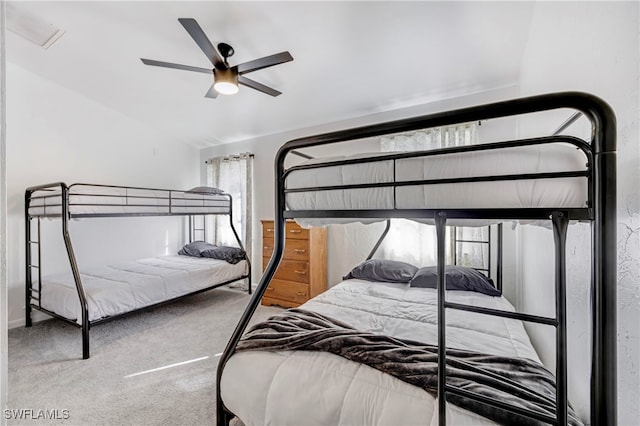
[(233, 157)]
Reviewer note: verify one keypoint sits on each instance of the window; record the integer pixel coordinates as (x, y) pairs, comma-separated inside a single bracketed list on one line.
[(233, 175), (414, 242)]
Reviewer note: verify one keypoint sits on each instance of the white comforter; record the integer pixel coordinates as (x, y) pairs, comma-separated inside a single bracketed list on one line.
[(317, 388), (115, 289)]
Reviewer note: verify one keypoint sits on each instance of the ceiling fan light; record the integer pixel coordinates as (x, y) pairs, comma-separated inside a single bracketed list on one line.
[(225, 88), (225, 82)]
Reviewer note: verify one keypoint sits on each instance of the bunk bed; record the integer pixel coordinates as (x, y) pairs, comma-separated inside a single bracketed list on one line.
[(92, 296), (552, 179)]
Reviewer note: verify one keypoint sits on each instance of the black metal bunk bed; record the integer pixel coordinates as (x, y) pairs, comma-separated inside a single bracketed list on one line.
[(79, 201), (600, 211)]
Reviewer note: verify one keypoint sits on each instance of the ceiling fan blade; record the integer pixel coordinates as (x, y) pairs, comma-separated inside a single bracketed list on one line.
[(212, 93), (258, 86), (175, 66), (267, 61), (196, 33)]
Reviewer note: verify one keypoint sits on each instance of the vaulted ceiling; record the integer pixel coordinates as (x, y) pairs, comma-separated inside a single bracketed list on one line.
[(351, 58)]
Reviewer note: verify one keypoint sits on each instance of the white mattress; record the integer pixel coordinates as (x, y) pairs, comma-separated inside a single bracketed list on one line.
[(115, 289), (318, 388), (564, 192), (96, 199)]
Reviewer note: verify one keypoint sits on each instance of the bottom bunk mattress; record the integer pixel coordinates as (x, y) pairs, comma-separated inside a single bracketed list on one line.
[(320, 388), (124, 287)]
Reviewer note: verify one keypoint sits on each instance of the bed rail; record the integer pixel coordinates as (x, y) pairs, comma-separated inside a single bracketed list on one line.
[(96, 200), (600, 211), (500, 213)]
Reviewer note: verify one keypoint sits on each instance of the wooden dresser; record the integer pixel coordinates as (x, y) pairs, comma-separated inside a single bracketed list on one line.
[(302, 273)]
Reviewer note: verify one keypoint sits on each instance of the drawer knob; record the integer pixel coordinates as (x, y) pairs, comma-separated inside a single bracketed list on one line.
[(301, 272), (299, 250), (269, 288), (266, 248), (300, 293), (295, 231), (269, 229)]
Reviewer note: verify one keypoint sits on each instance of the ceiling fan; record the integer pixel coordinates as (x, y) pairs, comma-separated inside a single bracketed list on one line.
[(225, 77)]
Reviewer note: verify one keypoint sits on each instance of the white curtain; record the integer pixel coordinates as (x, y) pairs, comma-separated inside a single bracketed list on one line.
[(233, 175), (473, 254), (411, 241), (437, 137)]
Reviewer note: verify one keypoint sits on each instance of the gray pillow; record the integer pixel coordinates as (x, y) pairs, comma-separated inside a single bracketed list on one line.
[(457, 278), (195, 248), (205, 190), (230, 254), (391, 271)]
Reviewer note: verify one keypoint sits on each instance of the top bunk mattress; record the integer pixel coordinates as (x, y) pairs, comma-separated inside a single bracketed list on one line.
[(557, 192), (96, 200)]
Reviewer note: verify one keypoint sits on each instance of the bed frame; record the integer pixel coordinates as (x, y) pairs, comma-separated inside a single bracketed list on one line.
[(140, 202), (600, 211)]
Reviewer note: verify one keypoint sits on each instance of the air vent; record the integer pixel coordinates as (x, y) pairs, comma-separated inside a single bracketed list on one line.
[(31, 27)]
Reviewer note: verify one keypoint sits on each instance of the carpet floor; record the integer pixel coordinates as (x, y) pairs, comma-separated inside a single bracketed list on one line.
[(157, 367)]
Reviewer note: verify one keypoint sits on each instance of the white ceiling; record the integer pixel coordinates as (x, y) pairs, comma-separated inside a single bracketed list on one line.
[(350, 59)]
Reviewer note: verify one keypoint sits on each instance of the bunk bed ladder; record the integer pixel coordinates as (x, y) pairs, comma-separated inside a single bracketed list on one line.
[(32, 293), (489, 243), (193, 228), (457, 241), (560, 223)]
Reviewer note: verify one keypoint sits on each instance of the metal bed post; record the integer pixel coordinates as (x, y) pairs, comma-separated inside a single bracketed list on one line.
[(28, 279), (454, 255), (441, 225), (499, 260), (235, 233), (39, 263), (489, 245), (223, 416), (74, 269), (604, 269), (560, 223), (384, 234)]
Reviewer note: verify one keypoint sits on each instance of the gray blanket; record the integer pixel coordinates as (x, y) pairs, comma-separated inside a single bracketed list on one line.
[(517, 381)]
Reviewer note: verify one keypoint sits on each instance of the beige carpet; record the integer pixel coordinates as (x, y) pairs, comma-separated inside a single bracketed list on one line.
[(153, 368)]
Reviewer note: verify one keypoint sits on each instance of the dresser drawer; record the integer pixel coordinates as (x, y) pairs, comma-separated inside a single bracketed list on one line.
[(302, 272), (290, 291), (293, 249), (290, 270), (292, 230)]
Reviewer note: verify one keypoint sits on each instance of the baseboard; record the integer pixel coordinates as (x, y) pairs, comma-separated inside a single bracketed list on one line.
[(36, 316), (16, 323)]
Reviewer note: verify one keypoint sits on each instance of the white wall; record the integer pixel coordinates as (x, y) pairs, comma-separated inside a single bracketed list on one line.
[(347, 245), (54, 135), (3, 223), (591, 47)]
